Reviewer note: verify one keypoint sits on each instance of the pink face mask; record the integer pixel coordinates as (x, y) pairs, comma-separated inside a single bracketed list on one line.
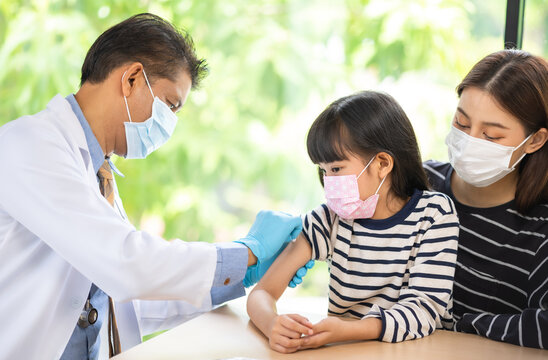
[(343, 196)]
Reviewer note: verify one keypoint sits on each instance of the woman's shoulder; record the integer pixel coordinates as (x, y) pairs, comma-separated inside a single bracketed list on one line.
[(435, 201), (437, 173), (437, 168), (539, 211), (535, 218)]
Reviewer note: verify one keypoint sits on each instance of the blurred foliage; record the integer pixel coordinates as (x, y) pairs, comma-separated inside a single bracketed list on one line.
[(275, 64), (535, 29)]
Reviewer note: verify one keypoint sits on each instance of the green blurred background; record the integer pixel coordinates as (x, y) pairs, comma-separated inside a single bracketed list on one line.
[(275, 64)]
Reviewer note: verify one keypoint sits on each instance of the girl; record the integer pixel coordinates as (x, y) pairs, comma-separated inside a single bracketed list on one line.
[(391, 244), (498, 179)]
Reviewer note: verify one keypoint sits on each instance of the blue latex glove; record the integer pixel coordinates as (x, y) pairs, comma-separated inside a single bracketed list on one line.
[(269, 232), (255, 272), (298, 277), (268, 236)]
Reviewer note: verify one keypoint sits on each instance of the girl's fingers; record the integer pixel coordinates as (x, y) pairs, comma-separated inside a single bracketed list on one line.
[(313, 341), (282, 349), (298, 323), (287, 332), (291, 334), (285, 342), (288, 342), (321, 326)]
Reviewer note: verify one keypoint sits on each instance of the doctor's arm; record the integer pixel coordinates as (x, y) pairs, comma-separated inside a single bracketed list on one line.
[(54, 194), (52, 191), (227, 284), (267, 237)]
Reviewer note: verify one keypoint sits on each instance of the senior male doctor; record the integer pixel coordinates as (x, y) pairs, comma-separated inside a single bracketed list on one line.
[(71, 263)]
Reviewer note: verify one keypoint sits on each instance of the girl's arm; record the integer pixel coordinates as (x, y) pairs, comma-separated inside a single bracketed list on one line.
[(426, 302), (285, 331), (335, 329)]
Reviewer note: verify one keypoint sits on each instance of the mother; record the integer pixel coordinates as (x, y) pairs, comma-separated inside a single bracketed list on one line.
[(498, 179)]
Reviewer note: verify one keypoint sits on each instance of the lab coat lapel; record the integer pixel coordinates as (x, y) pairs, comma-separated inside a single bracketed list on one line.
[(75, 134), (127, 321)]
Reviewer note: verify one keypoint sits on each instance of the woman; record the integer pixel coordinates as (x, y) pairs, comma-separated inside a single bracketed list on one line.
[(498, 179)]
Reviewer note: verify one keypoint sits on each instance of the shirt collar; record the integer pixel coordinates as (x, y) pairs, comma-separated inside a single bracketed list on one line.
[(95, 151)]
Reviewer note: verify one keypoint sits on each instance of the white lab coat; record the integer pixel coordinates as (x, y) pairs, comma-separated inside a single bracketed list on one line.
[(58, 235)]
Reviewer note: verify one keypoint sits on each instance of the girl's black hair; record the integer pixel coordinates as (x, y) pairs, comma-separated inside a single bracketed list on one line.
[(365, 124)]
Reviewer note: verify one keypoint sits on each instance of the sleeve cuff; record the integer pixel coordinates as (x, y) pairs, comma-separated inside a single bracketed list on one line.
[(465, 324), (377, 312), (229, 273)]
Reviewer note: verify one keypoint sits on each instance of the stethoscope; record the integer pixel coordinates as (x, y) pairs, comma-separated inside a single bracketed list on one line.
[(88, 316)]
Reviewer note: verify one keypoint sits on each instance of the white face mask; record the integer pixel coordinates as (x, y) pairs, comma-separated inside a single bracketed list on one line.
[(480, 162)]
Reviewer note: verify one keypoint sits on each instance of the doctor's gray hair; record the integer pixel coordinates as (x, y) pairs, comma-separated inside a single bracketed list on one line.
[(146, 38)]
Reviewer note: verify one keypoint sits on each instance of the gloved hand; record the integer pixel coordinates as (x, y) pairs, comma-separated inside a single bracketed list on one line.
[(255, 272), (298, 277), (269, 232), (268, 236)]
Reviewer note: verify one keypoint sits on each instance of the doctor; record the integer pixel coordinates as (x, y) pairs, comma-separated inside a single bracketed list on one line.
[(69, 257)]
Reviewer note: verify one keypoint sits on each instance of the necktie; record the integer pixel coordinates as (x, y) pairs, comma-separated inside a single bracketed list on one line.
[(106, 186)]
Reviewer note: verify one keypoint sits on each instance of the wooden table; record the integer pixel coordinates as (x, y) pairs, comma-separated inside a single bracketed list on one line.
[(227, 333)]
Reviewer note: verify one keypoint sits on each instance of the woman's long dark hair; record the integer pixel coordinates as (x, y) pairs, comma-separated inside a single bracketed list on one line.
[(365, 124), (518, 81)]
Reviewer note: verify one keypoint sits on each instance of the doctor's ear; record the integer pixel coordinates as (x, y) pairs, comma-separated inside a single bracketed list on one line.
[(130, 77), (537, 141)]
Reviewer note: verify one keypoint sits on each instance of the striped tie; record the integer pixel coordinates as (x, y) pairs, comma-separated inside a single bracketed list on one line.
[(106, 186)]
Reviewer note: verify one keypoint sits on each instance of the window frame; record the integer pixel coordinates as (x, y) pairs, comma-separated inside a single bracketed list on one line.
[(513, 32)]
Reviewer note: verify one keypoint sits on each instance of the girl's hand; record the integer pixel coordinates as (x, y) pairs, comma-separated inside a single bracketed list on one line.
[(335, 329), (286, 332), (329, 330)]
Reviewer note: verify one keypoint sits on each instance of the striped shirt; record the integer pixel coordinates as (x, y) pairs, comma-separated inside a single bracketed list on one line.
[(501, 278), (398, 269)]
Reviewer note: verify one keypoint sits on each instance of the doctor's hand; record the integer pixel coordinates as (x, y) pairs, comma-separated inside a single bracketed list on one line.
[(267, 237), (270, 231), (255, 273), (298, 277)]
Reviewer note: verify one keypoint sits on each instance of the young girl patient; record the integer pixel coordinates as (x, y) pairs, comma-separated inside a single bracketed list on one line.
[(390, 244)]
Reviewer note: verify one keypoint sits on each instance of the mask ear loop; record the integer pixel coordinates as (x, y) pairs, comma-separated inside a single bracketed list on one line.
[(366, 166), (149, 87), (127, 107), (384, 178), (522, 156)]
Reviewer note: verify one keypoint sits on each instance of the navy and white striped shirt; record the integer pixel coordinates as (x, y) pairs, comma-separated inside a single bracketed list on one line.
[(398, 269), (501, 278)]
